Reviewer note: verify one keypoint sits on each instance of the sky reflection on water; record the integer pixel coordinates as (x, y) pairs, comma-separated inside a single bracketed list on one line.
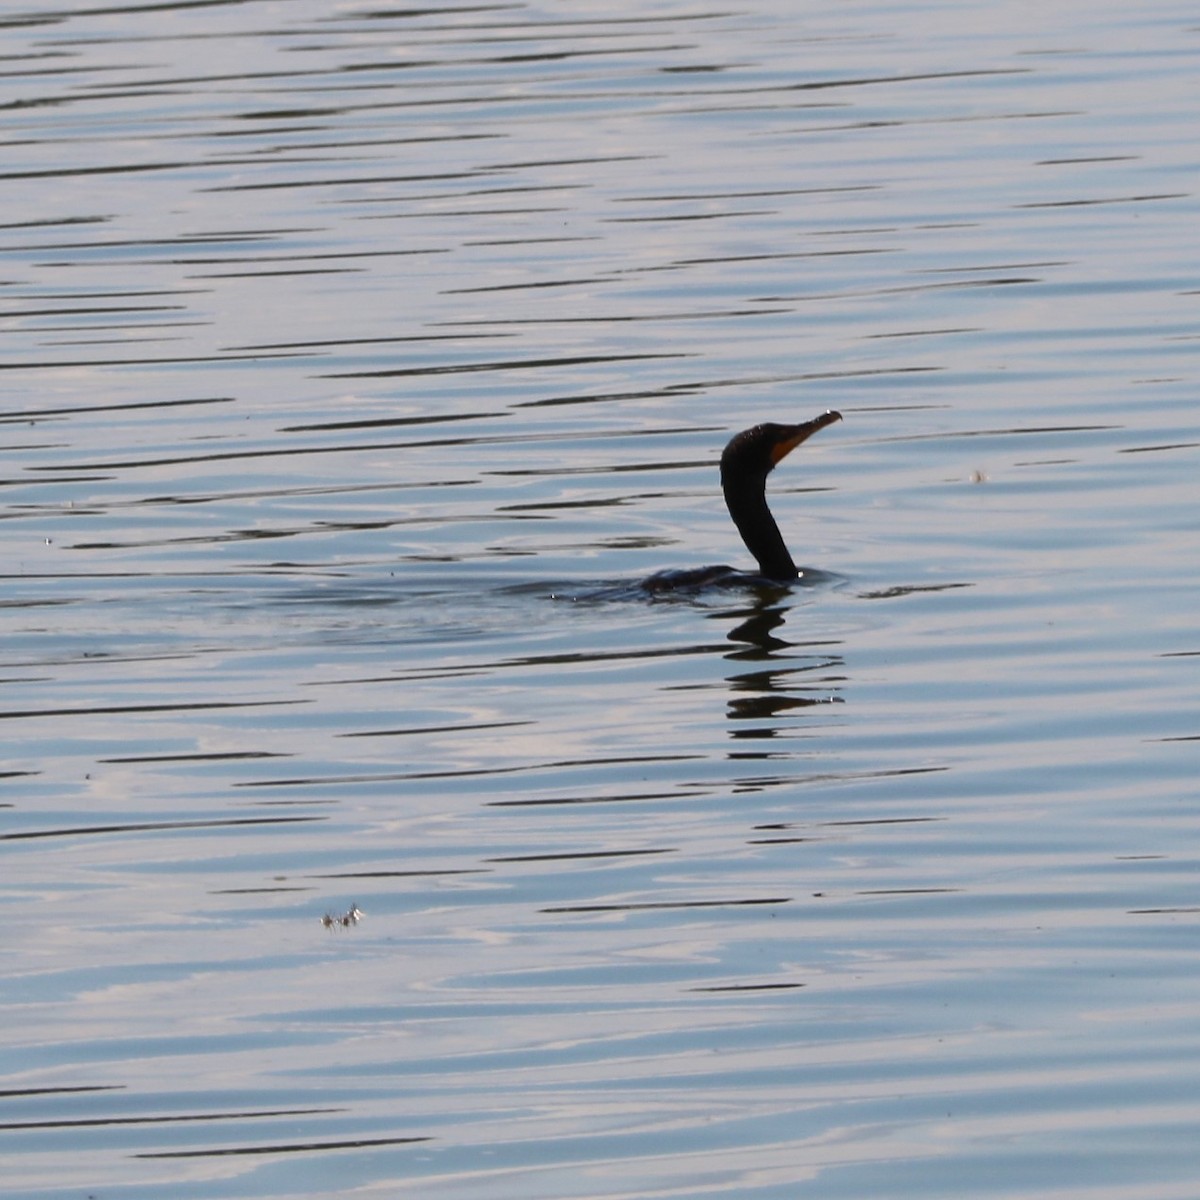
[(355, 364)]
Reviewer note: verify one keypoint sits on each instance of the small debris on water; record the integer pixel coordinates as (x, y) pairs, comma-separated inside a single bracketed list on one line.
[(351, 916)]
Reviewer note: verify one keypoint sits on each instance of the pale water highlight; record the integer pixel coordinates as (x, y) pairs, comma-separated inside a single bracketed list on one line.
[(366, 830)]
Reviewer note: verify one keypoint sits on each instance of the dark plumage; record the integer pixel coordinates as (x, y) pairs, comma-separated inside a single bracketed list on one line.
[(745, 464)]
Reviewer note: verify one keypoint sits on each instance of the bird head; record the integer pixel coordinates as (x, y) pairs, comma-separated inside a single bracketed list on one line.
[(757, 451)]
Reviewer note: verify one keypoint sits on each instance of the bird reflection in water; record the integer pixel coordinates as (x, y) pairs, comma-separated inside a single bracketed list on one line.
[(768, 692)]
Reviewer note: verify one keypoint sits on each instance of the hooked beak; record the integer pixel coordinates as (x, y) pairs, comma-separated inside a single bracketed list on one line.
[(795, 434)]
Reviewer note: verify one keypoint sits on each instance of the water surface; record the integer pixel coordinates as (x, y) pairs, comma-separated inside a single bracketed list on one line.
[(366, 832)]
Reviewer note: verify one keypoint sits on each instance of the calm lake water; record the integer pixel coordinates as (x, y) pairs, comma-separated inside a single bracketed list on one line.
[(366, 831)]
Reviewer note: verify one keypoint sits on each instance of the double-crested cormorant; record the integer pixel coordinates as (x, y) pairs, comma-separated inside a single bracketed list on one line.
[(745, 464)]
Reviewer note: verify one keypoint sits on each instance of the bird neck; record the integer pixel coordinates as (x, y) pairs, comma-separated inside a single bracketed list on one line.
[(748, 507)]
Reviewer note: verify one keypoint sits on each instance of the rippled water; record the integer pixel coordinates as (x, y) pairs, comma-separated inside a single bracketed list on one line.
[(365, 831)]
